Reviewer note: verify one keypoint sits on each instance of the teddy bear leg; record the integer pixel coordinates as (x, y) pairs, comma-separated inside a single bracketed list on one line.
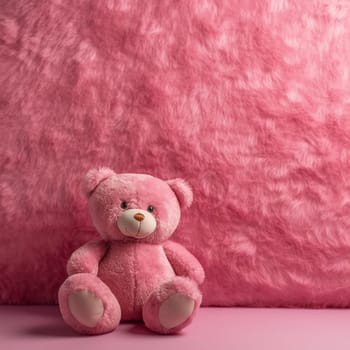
[(172, 306), (88, 305)]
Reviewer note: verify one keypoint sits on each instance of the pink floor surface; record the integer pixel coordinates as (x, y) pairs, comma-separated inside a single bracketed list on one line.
[(41, 327)]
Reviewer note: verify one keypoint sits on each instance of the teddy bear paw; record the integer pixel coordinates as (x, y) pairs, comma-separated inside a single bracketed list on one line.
[(86, 307), (175, 310)]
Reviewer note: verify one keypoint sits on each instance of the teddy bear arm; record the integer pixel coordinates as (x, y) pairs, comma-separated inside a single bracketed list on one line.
[(86, 258), (183, 262)]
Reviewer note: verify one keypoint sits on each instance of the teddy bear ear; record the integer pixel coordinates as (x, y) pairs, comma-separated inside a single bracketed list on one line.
[(183, 192), (94, 177)]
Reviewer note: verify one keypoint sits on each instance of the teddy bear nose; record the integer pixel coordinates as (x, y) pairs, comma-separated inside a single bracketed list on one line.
[(139, 216)]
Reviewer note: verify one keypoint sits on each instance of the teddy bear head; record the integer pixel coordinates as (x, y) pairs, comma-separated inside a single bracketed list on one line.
[(135, 207)]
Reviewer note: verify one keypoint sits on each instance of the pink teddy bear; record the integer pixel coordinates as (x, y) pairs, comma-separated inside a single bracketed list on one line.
[(134, 273)]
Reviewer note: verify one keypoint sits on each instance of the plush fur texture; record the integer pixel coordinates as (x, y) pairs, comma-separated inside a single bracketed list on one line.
[(246, 100), (142, 274)]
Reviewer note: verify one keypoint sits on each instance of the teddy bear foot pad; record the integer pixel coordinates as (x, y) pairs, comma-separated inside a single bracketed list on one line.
[(88, 305), (172, 307), (175, 310)]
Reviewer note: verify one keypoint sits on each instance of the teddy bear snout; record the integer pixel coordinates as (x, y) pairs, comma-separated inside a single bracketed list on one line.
[(139, 217), (136, 223)]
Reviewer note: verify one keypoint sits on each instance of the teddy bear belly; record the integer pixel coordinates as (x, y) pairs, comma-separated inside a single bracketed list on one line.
[(133, 271)]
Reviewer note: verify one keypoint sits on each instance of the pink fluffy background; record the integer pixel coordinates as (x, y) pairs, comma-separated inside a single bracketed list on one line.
[(249, 101)]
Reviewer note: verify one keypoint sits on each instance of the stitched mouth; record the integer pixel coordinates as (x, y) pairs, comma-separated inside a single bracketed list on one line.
[(139, 229), (137, 233)]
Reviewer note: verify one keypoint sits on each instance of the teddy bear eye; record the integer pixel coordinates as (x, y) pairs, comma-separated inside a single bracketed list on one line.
[(150, 208), (124, 204)]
